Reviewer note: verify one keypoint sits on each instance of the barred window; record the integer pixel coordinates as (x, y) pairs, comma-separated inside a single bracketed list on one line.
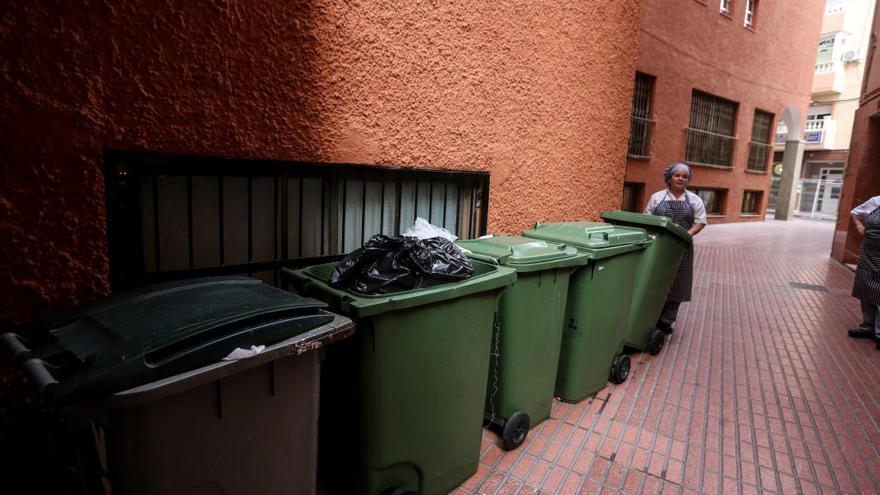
[(632, 194), (710, 133), (759, 146), (175, 217), (712, 198), (751, 202), (640, 129)]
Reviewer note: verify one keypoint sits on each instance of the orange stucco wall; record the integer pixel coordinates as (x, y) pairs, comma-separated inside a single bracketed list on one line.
[(537, 93), (689, 45)]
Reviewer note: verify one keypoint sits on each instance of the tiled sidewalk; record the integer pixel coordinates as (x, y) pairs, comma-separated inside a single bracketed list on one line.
[(759, 390)]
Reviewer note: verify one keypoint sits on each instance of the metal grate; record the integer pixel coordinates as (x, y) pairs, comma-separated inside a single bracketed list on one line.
[(641, 125), (174, 217), (710, 132), (760, 147), (801, 285)]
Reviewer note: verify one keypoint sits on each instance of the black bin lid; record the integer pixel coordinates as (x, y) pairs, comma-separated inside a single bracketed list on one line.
[(137, 337)]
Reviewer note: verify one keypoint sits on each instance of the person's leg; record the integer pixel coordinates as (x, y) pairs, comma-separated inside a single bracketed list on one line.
[(869, 320), (668, 315)]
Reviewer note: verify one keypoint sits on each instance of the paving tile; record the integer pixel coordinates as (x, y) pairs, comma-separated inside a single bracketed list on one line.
[(758, 390)]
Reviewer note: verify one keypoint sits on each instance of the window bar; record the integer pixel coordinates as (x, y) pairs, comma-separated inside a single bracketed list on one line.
[(250, 218), (382, 204), (344, 210), (299, 220), (444, 204), (458, 209), (473, 226), (275, 224), (189, 220), (156, 236), (325, 184), (398, 184), (430, 201), (484, 210), (220, 242), (416, 200), (363, 211)]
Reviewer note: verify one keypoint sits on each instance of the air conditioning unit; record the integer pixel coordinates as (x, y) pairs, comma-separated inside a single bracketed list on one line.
[(850, 56)]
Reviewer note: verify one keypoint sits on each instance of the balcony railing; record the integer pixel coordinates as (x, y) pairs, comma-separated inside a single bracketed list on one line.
[(709, 148), (640, 137), (824, 67), (820, 131)]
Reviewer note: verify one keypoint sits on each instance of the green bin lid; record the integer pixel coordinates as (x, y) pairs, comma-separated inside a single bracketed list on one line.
[(523, 253), (620, 217), (598, 238)]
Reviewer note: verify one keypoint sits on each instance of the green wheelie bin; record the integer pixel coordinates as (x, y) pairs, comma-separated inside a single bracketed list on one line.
[(654, 275), (526, 341), (405, 397), (599, 298)]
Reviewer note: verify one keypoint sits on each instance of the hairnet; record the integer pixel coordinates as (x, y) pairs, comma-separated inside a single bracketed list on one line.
[(667, 173)]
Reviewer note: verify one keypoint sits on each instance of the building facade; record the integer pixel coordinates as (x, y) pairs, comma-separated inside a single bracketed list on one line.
[(837, 83), (185, 111), (861, 179), (713, 80)]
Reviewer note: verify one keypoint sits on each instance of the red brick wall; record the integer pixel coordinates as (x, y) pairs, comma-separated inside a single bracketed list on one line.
[(536, 93), (688, 45)]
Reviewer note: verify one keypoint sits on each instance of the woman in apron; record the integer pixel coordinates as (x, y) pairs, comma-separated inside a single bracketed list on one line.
[(866, 286), (687, 210)]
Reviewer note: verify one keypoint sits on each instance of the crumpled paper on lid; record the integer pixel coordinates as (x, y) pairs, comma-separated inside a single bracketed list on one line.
[(240, 353)]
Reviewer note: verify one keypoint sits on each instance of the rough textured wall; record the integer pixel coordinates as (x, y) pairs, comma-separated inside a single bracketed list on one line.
[(689, 45), (537, 93)]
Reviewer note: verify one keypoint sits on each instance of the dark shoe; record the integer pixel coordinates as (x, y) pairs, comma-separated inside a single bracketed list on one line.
[(861, 333), (877, 344)]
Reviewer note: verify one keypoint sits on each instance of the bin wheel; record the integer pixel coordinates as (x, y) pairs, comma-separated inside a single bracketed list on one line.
[(400, 491), (620, 369), (656, 343), (515, 430)]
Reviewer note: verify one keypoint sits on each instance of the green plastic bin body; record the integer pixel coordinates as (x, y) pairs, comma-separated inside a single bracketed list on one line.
[(405, 395), (522, 373), (599, 299), (655, 273)]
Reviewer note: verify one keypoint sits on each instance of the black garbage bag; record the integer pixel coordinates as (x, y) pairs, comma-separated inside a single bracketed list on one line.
[(387, 264)]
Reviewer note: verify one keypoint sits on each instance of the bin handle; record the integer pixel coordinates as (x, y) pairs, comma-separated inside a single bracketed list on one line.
[(484, 258), (37, 371), (13, 344)]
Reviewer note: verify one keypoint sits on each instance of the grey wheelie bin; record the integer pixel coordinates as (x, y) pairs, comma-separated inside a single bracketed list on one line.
[(599, 299), (402, 401), (525, 354), (146, 370), (654, 275)]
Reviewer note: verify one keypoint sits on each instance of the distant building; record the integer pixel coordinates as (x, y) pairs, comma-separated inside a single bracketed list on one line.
[(713, 78), (837, 82), (861, 178)]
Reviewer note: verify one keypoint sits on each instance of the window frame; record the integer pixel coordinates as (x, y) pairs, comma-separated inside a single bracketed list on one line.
[(720, 200), (751, 14), (641, 118), (757, 197), (710, 137), (724, 7), (756, 146), (282, 213)]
